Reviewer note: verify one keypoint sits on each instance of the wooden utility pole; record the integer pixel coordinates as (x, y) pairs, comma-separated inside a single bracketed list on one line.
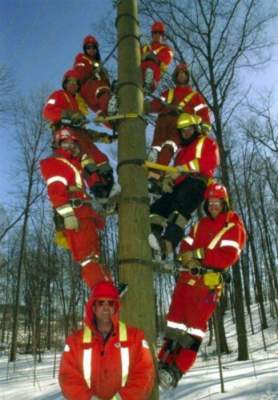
[(138, 306)]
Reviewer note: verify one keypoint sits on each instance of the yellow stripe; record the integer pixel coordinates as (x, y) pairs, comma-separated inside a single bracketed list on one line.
[(220, 234), (87, 334), (123, 331), (186, 99), (170, 96), (77, 174), (199, 146)]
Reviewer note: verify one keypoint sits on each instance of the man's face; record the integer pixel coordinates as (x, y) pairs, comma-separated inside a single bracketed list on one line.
[(215, 206), (186, 133), (91, 49), (72, 86), (104, 309), (71, 146), (182, 77), (157, 37)]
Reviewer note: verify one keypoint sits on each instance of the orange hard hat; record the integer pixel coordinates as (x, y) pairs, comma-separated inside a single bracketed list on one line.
[(217, 191), (71, 73), (158, 26), (105, 290), (90, 40)]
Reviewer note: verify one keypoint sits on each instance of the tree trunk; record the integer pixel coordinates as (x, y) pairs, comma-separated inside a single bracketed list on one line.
[(134, 251)]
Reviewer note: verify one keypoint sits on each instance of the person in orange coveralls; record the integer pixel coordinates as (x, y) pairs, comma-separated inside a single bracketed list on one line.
[(95, 85), (107, 359), (183, 191), (172, 102), (156, 57), (74, 214), (212, 246), (63, 109)]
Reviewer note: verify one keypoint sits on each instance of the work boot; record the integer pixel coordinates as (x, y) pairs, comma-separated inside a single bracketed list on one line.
[(169, 375), (154, 186)]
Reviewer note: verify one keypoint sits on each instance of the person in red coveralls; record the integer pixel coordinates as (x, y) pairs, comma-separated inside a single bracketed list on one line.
[(212, 246), (184, 189), (95, 85), (107, 359), (172, 102), (156, 57), (64, 108), (74, 215)]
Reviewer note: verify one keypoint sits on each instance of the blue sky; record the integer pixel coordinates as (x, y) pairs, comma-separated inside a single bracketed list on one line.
[(39, 40)]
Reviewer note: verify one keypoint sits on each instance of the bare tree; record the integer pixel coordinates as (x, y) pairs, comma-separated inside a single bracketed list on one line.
[(32, 142)]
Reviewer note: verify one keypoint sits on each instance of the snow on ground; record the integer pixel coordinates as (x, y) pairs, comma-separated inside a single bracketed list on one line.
[(255, 379)]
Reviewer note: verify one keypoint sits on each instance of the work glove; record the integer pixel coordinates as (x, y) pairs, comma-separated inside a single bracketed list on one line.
[(151, 57), (189, 255), (71, 222), (167, 184), (105, 138), (78, 119), (193, 263), (88, 164)]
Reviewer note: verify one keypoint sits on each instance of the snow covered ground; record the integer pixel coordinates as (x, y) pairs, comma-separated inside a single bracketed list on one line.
[(256, 379)]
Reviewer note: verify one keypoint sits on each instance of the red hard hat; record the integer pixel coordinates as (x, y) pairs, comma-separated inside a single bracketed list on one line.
[(217, 191), (90, 40), (180, 67), (105, 290), (65, 134), (71, 73), (158, 26)]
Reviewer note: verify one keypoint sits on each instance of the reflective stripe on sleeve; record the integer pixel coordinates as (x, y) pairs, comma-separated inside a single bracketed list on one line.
[(194, 165), (51, 101), (231, 243), (57, 178), (170, 143), (200, 107), (189, 240), (67, 348), (187, 329), (65, 210), (81, 64)]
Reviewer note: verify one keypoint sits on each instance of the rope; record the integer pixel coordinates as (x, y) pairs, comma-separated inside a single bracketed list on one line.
[(135, 261), (134, 161), (126, 15), (132, 199)]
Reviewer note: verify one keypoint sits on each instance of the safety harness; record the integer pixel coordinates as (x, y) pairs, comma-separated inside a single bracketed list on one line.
[(88, 355), (211, 278)]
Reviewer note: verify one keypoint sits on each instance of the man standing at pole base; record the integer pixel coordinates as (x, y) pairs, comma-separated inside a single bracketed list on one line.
[(214, 244), (106, 360)]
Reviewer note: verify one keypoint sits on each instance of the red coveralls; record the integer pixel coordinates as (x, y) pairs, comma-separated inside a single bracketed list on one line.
[(119, 368), (200, 156), (193, 303), (164, 56), (166, 139), (66, 191), (95, 86), (57, 103)]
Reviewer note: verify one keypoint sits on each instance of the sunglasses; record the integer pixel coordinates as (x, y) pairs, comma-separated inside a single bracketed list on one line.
[(90, 46), (101, 303), (72, 80), (214, 202)]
